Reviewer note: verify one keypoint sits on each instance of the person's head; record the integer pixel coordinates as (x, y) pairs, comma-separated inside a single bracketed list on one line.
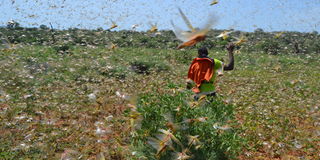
[(203, 52)]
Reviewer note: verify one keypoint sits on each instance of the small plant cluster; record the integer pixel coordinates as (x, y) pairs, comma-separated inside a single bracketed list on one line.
[(175, 127)]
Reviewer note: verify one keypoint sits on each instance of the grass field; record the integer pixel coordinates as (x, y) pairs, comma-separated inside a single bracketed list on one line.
[(55, 105)]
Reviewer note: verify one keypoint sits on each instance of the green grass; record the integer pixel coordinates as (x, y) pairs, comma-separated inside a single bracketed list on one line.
[(45, 111)]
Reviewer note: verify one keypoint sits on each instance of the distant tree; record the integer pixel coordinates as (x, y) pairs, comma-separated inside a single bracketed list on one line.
[(296, 47), (258, 30), (269, 46), (44, 27), (13, 24), (237, 33)]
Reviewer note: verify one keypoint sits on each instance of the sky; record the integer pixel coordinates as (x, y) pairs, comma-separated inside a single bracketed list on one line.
[(244, 15)]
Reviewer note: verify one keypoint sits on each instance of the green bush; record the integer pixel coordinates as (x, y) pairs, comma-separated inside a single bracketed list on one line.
[(115, 72), (147, 65), (216, 142), (141, 67), (62, 48), (269, 46)]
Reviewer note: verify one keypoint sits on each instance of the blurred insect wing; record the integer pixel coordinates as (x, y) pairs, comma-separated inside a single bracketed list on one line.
[(186, 20), (212, 20), (100, 156), (202, 119), (224, 35), (181, 156), (154, 143), (180, 34), (240, 40), (113, 46), (193, 140), (225, 127)]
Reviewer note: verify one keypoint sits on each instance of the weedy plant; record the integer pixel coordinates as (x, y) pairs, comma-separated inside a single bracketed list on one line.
[(173, 129)]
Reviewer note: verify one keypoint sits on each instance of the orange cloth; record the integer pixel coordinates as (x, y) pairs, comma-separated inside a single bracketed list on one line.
[(200, 69)]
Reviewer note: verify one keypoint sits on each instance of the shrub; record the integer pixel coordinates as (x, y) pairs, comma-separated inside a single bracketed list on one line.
[(146, 66), (269, 46), (115, 72), (215, 141), (140, 67)]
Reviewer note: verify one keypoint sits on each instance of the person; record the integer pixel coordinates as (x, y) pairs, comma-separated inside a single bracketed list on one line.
[(204, 70)]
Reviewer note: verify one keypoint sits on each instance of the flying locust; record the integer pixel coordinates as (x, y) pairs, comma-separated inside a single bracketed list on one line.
[(195, 35)]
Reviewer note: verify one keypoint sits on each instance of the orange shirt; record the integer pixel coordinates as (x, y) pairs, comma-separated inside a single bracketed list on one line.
[(200, 69)]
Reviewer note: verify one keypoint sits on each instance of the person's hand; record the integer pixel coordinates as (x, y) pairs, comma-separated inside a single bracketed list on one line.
[(230, 47)]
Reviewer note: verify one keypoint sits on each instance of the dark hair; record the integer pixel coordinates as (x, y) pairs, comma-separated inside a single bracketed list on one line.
[(202, 52)]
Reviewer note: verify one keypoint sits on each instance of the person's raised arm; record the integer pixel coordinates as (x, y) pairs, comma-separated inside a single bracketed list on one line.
[(230, 66)]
